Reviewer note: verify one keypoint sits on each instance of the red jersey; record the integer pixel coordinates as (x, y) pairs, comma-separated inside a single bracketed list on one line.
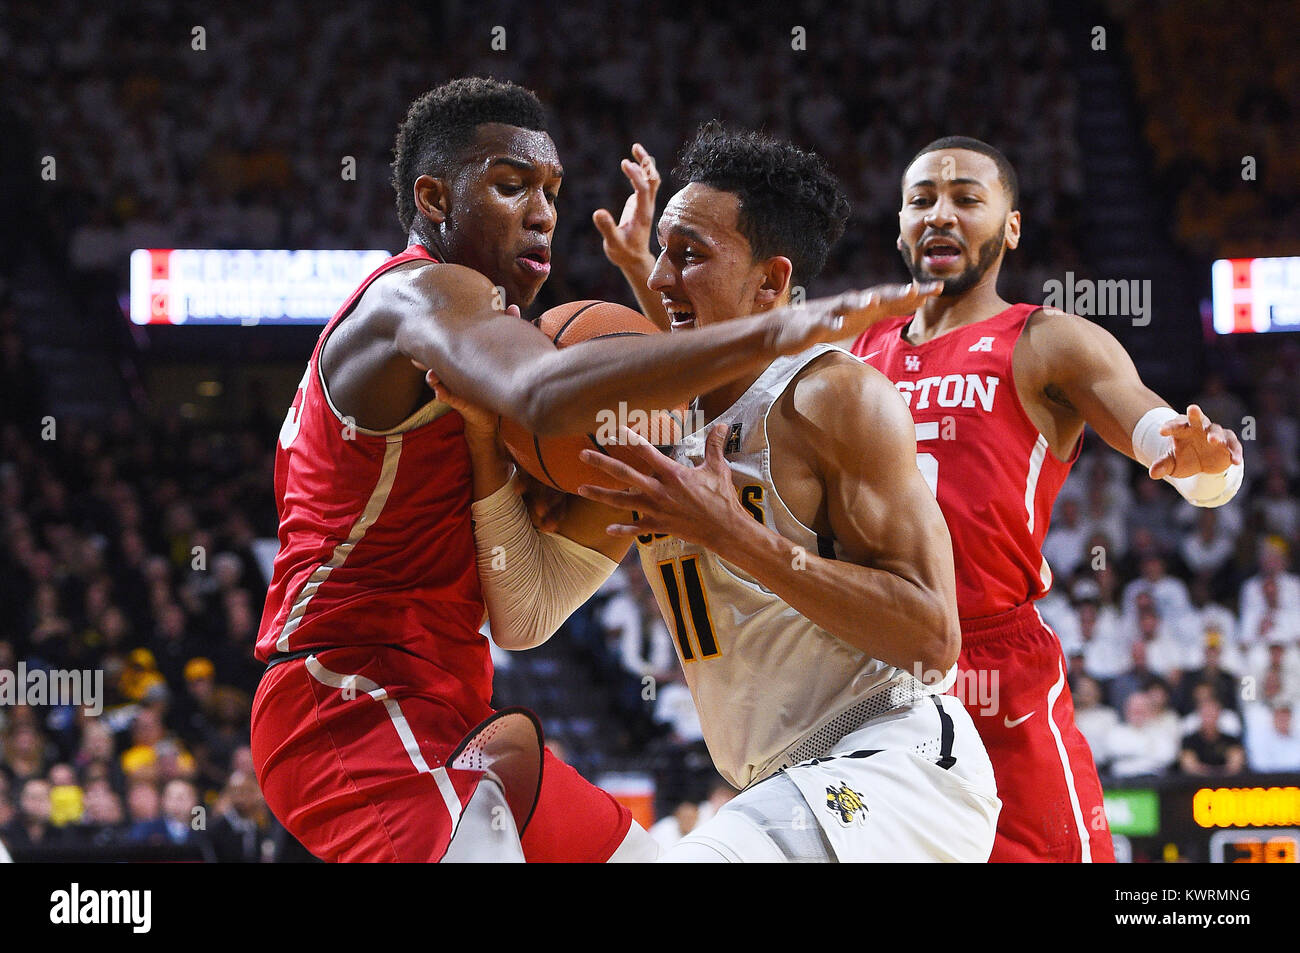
[(376, 545), (990, 468)]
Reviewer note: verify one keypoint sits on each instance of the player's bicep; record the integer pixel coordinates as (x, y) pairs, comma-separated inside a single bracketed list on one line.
[(446, 320), (1096, 376), (879, 506)]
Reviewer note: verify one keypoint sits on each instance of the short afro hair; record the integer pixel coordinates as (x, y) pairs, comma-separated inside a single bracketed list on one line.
[(442, 122), (790, 202), (1006, 171)]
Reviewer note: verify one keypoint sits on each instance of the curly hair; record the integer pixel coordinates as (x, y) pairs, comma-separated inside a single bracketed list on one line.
[(442, 122), (790, 202)]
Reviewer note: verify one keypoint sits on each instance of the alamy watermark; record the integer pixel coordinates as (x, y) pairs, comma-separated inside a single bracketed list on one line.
[(1107, 298), (975, 688), (660, 428), (79, 688)]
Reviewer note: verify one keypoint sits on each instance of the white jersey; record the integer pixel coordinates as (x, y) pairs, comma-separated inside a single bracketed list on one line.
[(772, 688)]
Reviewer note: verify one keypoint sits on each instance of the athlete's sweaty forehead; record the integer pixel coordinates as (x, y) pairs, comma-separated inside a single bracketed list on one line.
[(530, 151), (704, 215)]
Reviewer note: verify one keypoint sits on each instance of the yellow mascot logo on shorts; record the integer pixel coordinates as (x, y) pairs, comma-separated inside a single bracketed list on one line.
[(846, 803)]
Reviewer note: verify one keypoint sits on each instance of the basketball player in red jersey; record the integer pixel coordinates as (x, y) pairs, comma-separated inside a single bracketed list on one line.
[(376, 669), (1000, 394)]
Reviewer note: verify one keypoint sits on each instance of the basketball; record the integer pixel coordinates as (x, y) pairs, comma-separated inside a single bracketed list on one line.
[(554, 460)]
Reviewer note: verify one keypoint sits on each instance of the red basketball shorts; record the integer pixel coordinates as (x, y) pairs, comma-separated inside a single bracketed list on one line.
[(1011, 678), (355, 768)]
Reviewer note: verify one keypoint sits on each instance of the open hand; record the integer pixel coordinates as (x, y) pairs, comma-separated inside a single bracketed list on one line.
[(796, 327), (1199, 447), (695, 504), (628, 241)]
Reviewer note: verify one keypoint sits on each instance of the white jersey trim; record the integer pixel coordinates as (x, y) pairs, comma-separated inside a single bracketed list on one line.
[(1031, 480), (424, 414), (374, 506), (1085, 842), (355, 683)]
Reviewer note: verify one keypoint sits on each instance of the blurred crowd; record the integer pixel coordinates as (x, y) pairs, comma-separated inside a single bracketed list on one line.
[(1182, 625), (1222, 139), (243, 143), (136, 547), (130, 552)]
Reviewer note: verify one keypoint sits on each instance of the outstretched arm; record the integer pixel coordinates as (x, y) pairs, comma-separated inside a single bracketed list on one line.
[(893, 596), (442, 318), (1083, 369)]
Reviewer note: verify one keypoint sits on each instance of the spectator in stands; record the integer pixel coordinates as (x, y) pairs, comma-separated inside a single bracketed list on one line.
[(1137, 678), (1278, 429), (1208, 752), (632, 620), (25, 752), (144, 810), (1169, 595), (1272, 744), (191, 712), (150, 745), (1219, 403), (104, 822), (1163, 714), (1138, 746), (1230, 722), (1166, 655), (1103, 509), (32, 829), (242, 827), (181, 822), (1273, 593), (1271, 621), (1278, 658), (675, 707), (227, 731), (67, 800), (1103, 651), (671, 828), (140, 675), (1223, 684), (1095, 719), (688, 815), (1065, 546), (1149, 522), (1210, 616), (1277, 510), (1209, 550)]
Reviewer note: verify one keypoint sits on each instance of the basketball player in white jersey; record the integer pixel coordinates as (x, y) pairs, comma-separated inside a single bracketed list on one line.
[(796, 553)]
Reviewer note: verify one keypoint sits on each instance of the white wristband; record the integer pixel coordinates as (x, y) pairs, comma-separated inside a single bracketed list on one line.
[(1201, 489), (531, 581), (1148, 443), (1209, 489)]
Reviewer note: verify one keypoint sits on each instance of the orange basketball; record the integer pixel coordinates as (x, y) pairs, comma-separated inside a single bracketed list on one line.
[(554, 460)]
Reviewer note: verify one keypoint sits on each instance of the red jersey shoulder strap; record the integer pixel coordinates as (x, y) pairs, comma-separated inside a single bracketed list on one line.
[(414, 252)]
